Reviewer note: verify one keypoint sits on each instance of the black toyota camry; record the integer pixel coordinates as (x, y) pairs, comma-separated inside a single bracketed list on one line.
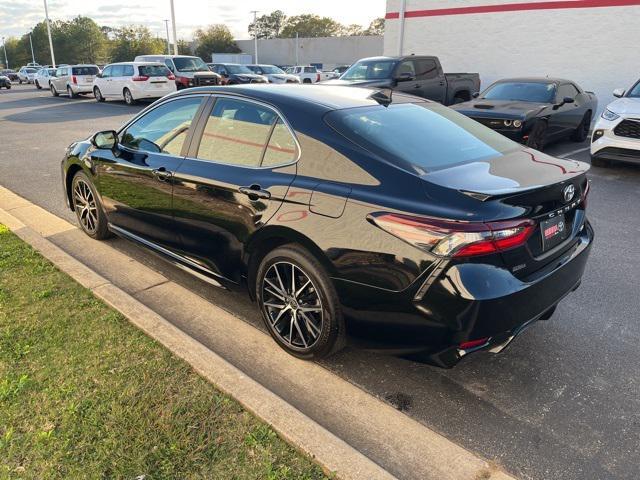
[(349, 215)]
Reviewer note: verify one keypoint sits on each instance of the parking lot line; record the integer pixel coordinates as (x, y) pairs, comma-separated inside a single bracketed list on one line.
[(573, 152)]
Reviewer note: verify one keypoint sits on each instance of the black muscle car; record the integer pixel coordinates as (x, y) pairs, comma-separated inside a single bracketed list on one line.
[(534, 111)]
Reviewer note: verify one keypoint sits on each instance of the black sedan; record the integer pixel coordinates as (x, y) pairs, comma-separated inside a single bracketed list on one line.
[(236, 74), (534, 111), (348, 215), (5, 82), (12, 74)]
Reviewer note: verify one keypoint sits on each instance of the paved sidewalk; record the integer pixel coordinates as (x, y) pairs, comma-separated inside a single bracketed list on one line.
[(344, 428)]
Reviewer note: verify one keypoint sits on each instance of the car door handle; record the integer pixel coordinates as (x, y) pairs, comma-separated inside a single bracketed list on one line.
[(161, 174), (417, 85), (255, 192), (442, 84)]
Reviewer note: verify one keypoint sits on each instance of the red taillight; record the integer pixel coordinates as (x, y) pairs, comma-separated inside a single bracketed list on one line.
[(171, 76), (140, 78), (183, 80), (455, 239), (317, 77), (74, 79), (474, 343)]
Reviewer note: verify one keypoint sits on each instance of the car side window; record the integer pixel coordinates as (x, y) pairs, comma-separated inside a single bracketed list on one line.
[(164, 129), (282, 147), (128, 71), (567, 90), (236, 133), (426, 69), (169, 65), (118, 71), (406, 67), (106, 73)]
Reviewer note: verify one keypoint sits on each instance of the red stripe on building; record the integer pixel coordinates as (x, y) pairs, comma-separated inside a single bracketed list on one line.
[(514, 7)]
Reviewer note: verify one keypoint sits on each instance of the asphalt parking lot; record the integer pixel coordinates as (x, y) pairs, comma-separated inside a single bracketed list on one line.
[(563, 402)]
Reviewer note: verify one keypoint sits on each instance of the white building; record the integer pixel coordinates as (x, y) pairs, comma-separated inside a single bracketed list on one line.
[(593, 42)]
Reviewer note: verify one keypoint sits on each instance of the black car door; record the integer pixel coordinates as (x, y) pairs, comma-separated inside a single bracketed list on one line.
[(239, 168), (135, 180), (567, 116), (431, 80)]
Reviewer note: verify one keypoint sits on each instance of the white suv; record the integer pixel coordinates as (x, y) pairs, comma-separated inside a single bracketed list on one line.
[(132, 81), (616, 135), (73, 79)]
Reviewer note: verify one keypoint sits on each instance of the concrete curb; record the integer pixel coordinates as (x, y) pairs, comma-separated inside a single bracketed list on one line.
[(405, 442)]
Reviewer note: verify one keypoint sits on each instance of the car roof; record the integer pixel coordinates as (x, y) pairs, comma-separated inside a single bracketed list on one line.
[(332, 97), (535, 80), (135, 63)]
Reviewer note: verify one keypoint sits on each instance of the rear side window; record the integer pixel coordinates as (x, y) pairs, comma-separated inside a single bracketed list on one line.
[(128, 71), (309, 70), (85, 70), (153, 70), (426, 69), (419, 137), (164, 129), (236, 133), (281, 148)]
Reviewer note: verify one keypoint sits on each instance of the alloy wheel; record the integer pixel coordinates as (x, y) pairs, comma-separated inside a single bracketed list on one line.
[(128, 98), (85, 206), (292, 304)]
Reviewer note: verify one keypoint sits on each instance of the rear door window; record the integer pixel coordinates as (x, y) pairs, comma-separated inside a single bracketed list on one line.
[(282, 147), (237, 133), (153, 70), (128, 71)]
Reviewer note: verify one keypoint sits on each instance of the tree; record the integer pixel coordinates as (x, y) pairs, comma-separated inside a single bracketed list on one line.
[(135, 40), (268, 26), (184, 47), (214, 39), (352, 30), (310, 25), (376, 27)]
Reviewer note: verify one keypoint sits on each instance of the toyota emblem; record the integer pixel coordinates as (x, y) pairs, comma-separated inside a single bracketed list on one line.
[(568, 192)]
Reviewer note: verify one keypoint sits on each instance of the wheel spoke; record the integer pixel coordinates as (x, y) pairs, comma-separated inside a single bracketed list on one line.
[(297, 294), (310, 309), (275, 267), (274, 305), (295, 321), (311, 327), (293, 279)]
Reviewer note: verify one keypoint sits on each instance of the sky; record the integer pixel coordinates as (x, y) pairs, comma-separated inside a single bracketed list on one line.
[(18, 16)]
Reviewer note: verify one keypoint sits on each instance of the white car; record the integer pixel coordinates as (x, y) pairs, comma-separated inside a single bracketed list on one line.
[(273, 74), (43, 76), (616, 135), (26, 74), (73, 79), (307, 73), (133, 81)]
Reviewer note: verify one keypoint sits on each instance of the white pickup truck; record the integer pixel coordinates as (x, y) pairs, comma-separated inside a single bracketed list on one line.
[(308, 73)]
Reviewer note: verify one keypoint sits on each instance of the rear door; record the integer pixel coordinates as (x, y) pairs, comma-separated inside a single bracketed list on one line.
[(431, 80), (238, 170), (135, 181)]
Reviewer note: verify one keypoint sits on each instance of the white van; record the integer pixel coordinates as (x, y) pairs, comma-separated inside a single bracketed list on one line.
[(133, 81)]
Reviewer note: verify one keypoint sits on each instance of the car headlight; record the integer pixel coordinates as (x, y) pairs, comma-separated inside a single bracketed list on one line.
[(517, 123), (609, 115), (507, 123)]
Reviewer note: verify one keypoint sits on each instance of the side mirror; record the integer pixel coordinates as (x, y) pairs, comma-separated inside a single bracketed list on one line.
[(106, 140), (475, 94), (405, 77), (99, 75), (567, 100), (619, 92)]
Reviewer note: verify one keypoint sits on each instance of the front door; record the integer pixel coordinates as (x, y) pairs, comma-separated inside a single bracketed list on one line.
[(234, 179), (135, 180), (567, 115)]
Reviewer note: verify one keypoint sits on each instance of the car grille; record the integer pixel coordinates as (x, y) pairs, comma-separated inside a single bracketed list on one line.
[(628, 128), (490, 122), (201, 81)]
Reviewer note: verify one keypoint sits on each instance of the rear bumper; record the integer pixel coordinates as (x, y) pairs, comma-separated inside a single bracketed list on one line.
[(454, 304), (81, 88)]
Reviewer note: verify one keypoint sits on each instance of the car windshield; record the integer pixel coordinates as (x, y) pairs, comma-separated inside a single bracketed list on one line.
[(369, 70), (521, 91), (237, 69), (420, 137), (190, 64), (30, 70), (85, 70), (271, 69), (51, 71), (635, 91), (154, 70)]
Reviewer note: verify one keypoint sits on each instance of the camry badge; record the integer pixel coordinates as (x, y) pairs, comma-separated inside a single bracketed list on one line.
[(568, 192)]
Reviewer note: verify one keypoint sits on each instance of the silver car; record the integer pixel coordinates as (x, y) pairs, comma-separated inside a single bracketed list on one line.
[(43, 76), (26, 74), (273, 73), (74, 80)]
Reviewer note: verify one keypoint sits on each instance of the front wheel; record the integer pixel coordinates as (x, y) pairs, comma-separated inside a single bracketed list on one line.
[(299, 303), (582, 132), (537, 135), (98, 94), (88, 208)]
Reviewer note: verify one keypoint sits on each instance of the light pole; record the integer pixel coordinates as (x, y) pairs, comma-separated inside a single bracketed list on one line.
[(6, 59), (403, 8), (173, 23), (255, 34), (46, 12), (33, 57), (166, 24)]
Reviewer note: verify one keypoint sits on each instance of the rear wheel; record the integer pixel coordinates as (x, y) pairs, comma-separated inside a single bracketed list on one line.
[(88, 209), (70, 92), (537, 136), (459, 99), (98, 94), (306, 80), (54, 92), (128, 98), (582, 132), (299, 304)]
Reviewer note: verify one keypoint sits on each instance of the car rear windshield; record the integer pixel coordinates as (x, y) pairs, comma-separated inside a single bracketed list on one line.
[(30, 70), (369, 70), (85, 70), (521, 91), (190, 64), (154, 70), (419, 137)]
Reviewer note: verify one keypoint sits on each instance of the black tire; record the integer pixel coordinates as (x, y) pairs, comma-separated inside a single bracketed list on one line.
[(88, 208), (128, 97), (458, 99), (70, 92), (8, 87), (582, 132), (54, 92), (537, 135), (314, 310), (20, 81), (98, 94), (599, 162), (38, 85), (306, 80)]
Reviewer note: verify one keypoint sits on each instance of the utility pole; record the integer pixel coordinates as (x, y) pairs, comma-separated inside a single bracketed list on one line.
[(6, 60), (33, 57), (46, 12), (166, 24), (175, 36), (255, 35), (403, 8), (297, 50)]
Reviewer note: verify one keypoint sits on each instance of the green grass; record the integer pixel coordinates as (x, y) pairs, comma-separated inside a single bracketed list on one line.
[(84, 394)]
